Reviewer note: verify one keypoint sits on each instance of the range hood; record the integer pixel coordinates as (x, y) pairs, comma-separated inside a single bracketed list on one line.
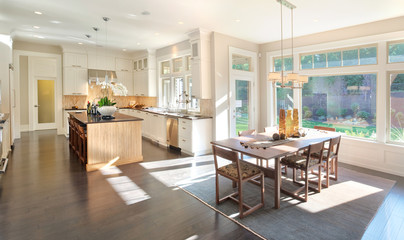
[(93, 74)]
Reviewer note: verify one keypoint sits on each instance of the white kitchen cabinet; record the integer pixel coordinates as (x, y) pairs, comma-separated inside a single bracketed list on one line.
[(101, 62), (123, 65), (66, 120), (200, 58), (75, 60), (126, 78), (144, 83), (158, 132), (194, 136), (75, 81)]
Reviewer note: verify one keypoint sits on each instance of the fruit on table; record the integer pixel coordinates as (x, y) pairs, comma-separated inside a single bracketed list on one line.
[(275, 136)]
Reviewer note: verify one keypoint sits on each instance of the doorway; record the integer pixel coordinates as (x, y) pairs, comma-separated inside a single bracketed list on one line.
[(243, 92)]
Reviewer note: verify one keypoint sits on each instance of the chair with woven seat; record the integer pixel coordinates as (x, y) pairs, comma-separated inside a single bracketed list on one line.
[(330, 159), (304, 163), (240, 172)]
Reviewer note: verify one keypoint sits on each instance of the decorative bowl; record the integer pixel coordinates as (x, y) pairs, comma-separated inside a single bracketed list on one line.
[(107, 110)]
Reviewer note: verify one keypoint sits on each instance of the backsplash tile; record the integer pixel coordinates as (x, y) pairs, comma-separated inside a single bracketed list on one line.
[(95, 93)]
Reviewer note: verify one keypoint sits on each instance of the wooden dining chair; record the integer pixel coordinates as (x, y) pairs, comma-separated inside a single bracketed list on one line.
[(304, 163), (240, 172)]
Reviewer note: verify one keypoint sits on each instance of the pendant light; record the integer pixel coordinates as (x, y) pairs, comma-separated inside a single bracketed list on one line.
[(106, 19), (295, 80), (97, 82)]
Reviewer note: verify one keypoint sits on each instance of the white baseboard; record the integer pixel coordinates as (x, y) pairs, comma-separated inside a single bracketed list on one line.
[(24, 128)]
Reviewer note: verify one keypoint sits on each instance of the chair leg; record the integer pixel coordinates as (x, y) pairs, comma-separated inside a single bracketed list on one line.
[(234, 184), (262, 189), (294, 175), (319, 178), (217, 188), (240, 199), (327, 168), (306, 187)]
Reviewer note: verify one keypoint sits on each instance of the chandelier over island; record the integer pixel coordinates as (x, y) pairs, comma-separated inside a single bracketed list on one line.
[(291, 80)]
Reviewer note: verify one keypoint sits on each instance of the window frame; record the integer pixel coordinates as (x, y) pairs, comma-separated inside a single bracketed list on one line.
[(341, 50)]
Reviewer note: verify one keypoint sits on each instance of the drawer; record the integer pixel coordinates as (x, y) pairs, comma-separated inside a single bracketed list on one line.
[(185, 131), (185, 144), (184, 122)]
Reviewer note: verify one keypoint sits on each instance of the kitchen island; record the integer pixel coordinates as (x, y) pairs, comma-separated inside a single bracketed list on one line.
[(109, 142)]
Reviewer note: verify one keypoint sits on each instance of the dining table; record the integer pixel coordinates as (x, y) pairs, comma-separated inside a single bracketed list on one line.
[(262, 146)]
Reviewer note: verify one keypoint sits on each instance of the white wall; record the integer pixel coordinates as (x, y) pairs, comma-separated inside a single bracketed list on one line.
[(5, 60), (220, 44)]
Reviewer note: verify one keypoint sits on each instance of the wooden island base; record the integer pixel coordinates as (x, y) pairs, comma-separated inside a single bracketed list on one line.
[(115, 143), (112, 142)]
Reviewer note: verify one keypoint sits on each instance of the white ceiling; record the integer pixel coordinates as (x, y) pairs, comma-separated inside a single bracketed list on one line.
[(257, 21)]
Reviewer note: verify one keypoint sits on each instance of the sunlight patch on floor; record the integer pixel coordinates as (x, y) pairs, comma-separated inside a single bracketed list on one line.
[(128, 190), (176, 162), (110, 171), (356, 191)]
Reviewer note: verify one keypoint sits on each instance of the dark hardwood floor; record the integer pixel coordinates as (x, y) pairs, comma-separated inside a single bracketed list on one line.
[(46, 194)]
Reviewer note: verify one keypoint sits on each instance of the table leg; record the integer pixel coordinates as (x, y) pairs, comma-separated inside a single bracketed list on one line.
[(277, 189)]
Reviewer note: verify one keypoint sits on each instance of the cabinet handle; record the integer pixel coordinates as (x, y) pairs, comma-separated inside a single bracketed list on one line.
[(183, 128), (183, 140)]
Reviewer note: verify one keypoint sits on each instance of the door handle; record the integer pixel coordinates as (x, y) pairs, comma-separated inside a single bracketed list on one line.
[(36, 105)]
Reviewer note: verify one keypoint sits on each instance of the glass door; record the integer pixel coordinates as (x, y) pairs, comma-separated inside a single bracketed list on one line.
[(45, 107), (242, 107)]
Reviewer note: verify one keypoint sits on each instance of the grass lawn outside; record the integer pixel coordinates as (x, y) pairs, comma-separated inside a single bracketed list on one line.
[(366, 132)]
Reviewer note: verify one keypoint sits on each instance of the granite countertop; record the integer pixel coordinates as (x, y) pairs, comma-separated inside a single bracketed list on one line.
[(72, 109), (172, 114), (89, 119)]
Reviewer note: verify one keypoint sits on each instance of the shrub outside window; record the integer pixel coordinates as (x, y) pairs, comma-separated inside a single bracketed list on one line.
[(344, 102), (287, 64)]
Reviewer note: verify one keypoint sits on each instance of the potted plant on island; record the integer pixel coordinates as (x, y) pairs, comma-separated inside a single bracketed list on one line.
[(106, 107)]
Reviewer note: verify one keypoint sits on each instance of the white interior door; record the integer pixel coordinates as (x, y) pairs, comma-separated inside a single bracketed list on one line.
[(44, 105)]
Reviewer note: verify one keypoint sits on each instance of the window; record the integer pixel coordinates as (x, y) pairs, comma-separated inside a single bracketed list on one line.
[(337, 58), (350, 57), (284, 100), (287, 64), (165, 67), (241, 63), (166, 92), (306, 62), (396, 52), (397, 107), (344, 102), (320, 60), (177, 65), (334, 59)]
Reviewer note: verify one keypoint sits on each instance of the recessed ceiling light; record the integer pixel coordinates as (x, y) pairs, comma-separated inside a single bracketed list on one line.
[(138, 43), (180, 22), (156, 34), (237, 20), (131, 15), (37, 36), (145, 13), (36, 27), (124, 49), (80, 43), (55, 21), (37, 12), (315, 20)]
